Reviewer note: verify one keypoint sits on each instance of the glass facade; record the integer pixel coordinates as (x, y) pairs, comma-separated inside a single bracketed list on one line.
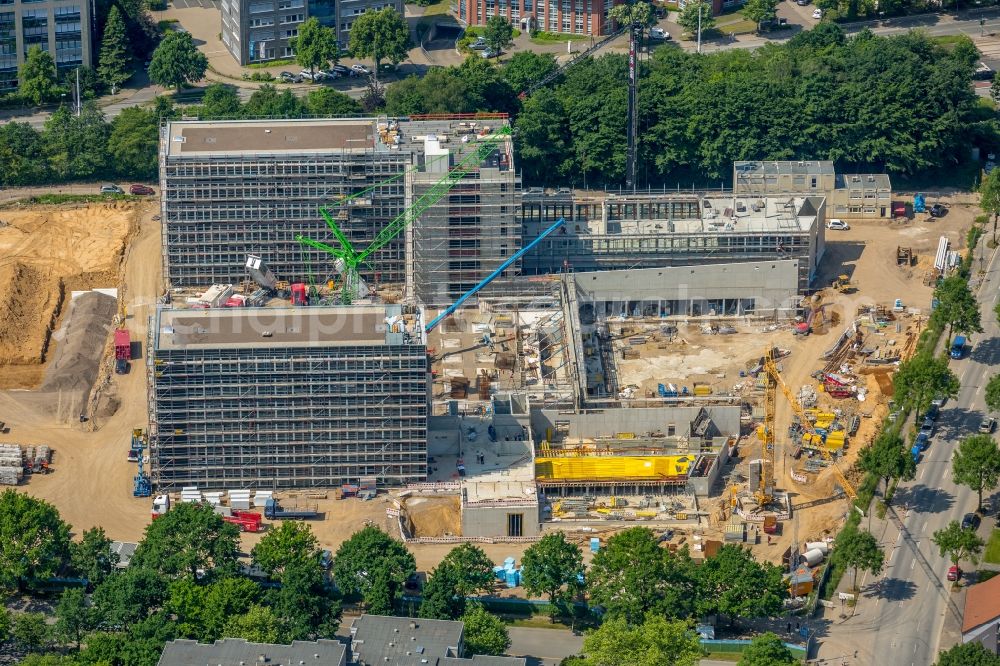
[(325, 11)]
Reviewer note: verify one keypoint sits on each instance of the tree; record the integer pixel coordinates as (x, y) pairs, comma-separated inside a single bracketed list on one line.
[(989, 190), (91, 557), (473, 567), (527, 67), (329, 102), (128, 598), (639, 13), (887, 459), (767, 649), (992, 395), (957, 307), (654, 642), (544, 150), (290, 543), (484, 632), (958, 544), (221, 100), (551, 567), (380, 35), (968, 654), (37, 76), (258, 625), (22, 157), (90, 83), (976, 464), (632, 576), (73, 616), (498, 33), (76, 146), (687, 18), (372, 564), (34, 541), (267, 102), (304, 604), (177, 61), (861, 551), (315, 46), (31, 632), (187, 538), (921, 378), (115, 60), (6, 622), (441, 599), (759, 11), (132, 144), (734, 583)]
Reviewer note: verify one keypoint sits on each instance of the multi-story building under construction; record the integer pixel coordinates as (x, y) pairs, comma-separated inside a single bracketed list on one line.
[(278, 398), (238, 187)]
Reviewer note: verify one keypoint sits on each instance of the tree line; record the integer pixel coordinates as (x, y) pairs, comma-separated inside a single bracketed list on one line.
[(185, 580)]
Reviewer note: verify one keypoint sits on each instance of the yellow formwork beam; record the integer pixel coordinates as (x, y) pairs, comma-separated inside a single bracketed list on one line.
[(582, 468)]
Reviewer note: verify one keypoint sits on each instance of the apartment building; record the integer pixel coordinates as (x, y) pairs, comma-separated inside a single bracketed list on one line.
[(260, 30), (61, 27), (578, 17)]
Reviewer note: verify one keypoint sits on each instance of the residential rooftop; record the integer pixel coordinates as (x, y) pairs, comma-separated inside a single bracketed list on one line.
[(238, 652), (316, 326), (403, 641), (781, 167), (982, 604)]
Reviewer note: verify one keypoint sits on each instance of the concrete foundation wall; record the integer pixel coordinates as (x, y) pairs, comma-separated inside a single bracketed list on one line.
[(491, 521)]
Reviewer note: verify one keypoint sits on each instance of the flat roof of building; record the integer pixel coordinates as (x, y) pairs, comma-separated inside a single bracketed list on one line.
[(863, 180), (791, 167), (237, 651), (270, 136), (244, 328)]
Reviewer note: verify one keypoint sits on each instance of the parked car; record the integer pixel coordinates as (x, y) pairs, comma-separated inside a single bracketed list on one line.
[(983, 72), (360, 69), (988, 425), (288, 77), (341, 70), (937, 210), (136, 188), (954, 573), (309, 76), (970, 521), (938, 401), (927, 426), (923, 441), (488, 53), (838, 224), (326, 559), (817, 13), (325, 74), (478, 45), (933, 412), (658, 33), (111, 189)]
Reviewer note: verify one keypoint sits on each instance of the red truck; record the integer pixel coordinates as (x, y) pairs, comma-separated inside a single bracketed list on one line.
[(123, 350)]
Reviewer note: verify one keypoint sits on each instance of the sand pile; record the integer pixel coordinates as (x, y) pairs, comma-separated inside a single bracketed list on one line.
[(435, 516), (29, 302), (80, 343)]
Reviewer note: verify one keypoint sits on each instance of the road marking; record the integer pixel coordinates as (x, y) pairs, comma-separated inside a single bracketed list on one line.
[(913, 564), (921, 475)]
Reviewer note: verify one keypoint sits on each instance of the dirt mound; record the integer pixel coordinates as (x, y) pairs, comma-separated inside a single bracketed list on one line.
[(434, 516), (29, 303), (80, 343)]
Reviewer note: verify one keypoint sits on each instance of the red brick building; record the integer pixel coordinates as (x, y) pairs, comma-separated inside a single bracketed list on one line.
[(579, 17)]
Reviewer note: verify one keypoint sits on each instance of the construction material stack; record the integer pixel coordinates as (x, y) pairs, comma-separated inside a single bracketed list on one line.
[(141, 484), (11, 465)]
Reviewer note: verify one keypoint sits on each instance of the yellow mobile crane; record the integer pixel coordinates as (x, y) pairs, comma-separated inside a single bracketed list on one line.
[(774, 379)]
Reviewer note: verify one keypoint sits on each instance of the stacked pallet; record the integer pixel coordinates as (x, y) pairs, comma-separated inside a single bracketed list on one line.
[(11, 464)]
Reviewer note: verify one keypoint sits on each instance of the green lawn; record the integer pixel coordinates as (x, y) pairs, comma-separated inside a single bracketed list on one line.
[(555, 38), (734, 22), (992, 553)]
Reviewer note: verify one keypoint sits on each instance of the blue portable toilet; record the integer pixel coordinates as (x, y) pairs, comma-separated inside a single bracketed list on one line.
[(508, 563), (595, 544), (919, 205), (513, 578), (500, 573)]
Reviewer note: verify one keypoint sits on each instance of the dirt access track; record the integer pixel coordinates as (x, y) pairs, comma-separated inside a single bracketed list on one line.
[(45, 253)]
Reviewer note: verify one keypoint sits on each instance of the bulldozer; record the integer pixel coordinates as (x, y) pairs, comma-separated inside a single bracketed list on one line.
[(842, 284)]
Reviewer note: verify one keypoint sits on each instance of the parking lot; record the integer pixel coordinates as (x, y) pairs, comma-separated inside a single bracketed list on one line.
[(190, 4)]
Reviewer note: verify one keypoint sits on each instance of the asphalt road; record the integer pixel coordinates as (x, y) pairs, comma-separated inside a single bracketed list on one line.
[(912, 599)]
